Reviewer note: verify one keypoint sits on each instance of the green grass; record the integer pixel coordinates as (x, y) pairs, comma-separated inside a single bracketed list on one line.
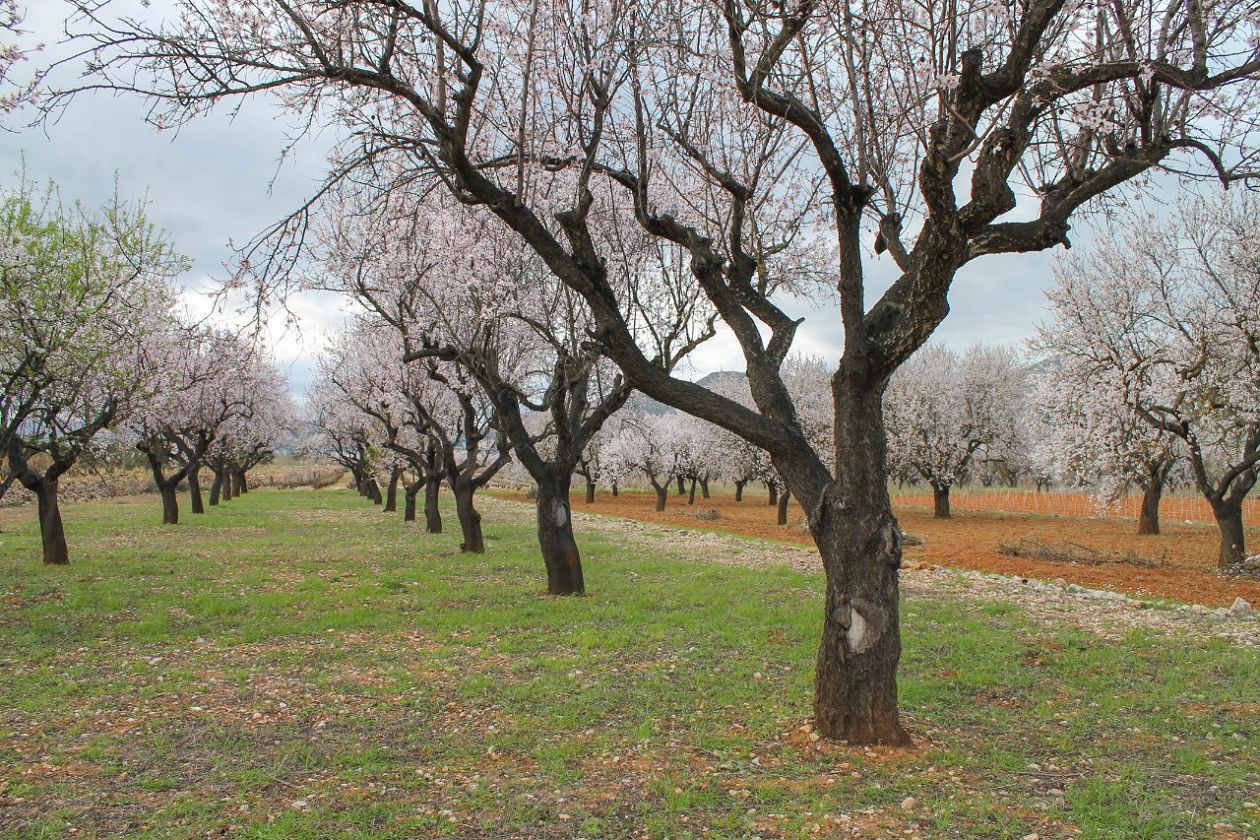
[(300, 665)]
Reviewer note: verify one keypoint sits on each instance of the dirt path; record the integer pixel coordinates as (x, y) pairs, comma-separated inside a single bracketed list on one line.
[(1107, 614)]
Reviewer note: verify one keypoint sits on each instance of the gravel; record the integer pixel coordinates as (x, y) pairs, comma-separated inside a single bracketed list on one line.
[(1110, 615)]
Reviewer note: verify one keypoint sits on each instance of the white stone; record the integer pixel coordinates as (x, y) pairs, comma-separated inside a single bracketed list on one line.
[(1240, 608)]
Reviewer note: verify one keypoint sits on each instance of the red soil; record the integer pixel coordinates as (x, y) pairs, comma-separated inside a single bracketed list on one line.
[(1185, 554)]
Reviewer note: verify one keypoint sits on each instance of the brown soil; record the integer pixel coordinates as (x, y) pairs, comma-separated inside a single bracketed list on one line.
[(1183, 557)]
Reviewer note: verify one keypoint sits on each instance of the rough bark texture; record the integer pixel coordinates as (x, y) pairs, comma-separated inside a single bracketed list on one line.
[(410, 491), (773, 490), (940, 502), (704, 488), (240, 484), (1148, 519), (691, 493), (1229, 519), (216, 488), (432, 514), (194, 491), (374, 491), (51, 531), (784, 499), (739, 491), (170, 503), (855, 691), (555, 537), (682, 486), (662, 495), (469, 520), (590, 492), (391, 492)]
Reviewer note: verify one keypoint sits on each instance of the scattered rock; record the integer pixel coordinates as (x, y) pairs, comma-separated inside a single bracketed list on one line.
[(1240, 608), (908, 803)]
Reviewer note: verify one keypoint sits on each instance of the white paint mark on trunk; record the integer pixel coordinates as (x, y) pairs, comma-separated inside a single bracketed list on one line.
[(562, 514), (856, 634)]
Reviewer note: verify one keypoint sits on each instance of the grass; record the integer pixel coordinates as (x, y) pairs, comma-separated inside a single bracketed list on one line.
[(298, 665)]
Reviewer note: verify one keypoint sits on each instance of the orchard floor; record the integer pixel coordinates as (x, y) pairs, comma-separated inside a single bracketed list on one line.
[(295, 664), (1178, 564)]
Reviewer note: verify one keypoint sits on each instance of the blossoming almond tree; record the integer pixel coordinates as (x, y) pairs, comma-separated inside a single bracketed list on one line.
[(718, 123), (1169, 319), (81, 294), (941, 409)]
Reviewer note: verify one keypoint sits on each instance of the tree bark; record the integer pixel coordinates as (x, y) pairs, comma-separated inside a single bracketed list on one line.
[(374, 491), (469, 520), (410, 491), (783, 507), (616, 491), (52, 533), (1229, 519), (1148, 519), (662, 495), (940, 502), (855, 688), (194, 491), (432, 514), (590, 492), (682, 486), (240, 484), (170, 503), (555, 537), (216, 488), (739, 491), (704, 488), (773, 490), (691, 495), (391, 492)]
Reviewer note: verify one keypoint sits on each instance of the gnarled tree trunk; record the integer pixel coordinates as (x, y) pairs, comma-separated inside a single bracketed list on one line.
[(194, 491), (739, 490), (391, 492), (855, 692), (773, 490), (240, 484), (410, 491), (373, 491), (170, 503), (784, 499), (940, 501), (555, 536), (432, 513), (662, 494), (691, 495), (1148, 518), (590, 492), (216, 488), (704, 488), (682, 485), (52, 532), (469, 519), (1229, 519)]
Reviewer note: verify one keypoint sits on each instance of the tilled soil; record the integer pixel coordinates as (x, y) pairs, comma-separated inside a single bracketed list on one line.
[(1178, 564)]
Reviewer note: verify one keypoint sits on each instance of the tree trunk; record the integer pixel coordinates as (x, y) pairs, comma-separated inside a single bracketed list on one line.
[(51, 531), (432, 514), (855, 687), (194, 491), (783, 507), (739, 491), (374, 491), (940, 502), (682, 486), (662, 496), (691, 495), (1229, 519), (590, 492), (410, 491), (391, 492), (240, 483), (469, 519), (704, 488), (616, 491), (773, 490), (1148, 519), (170, 503), (216, 488), (555, 537)]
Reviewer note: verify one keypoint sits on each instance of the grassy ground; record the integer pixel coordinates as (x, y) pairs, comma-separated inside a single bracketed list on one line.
[(297, 664)]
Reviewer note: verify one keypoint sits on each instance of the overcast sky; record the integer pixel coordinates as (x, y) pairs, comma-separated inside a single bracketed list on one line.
[(219, 181)]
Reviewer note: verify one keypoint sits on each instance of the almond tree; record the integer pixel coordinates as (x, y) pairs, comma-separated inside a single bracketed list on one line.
[(1088, 432), (728, 129), (207, 378), (941, 409), (1165, 316), (81, 294)]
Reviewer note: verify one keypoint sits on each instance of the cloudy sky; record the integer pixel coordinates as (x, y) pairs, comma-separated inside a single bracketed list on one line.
[(220, 180)]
